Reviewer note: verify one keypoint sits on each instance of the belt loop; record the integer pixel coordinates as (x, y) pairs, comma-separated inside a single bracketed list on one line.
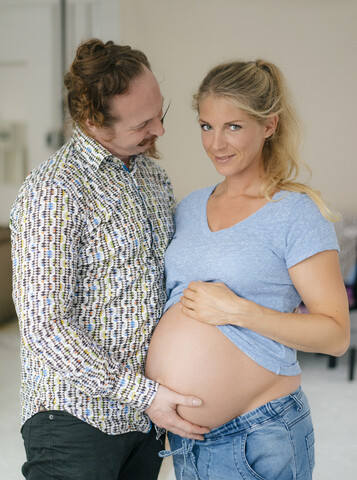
[(299, 403)]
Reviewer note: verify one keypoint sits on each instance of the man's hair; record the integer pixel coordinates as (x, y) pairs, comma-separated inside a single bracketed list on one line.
[(99, 71)]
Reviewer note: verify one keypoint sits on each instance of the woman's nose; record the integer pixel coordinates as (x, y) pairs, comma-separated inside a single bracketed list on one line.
[(218, 141)]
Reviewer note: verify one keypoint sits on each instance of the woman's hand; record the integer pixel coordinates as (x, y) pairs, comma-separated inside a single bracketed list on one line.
[(318, 279), (212, 303)]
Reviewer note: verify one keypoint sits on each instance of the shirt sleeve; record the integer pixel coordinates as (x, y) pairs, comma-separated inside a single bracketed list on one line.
[(309, 232), (170, 191), (46, 231)]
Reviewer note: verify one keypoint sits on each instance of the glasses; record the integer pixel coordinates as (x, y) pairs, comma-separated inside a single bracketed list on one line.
[(164, 115)]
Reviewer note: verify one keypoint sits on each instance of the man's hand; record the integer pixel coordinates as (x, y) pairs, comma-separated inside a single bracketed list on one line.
[(163, 413)]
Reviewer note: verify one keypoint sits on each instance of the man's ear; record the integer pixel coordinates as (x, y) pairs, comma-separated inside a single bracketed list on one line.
[(270, 125), (90, 126)]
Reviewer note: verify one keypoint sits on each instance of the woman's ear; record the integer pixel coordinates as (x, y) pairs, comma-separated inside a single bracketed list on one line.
[(270, 125)]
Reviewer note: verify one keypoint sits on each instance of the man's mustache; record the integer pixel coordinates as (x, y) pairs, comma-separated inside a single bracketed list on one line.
[(151, 140)]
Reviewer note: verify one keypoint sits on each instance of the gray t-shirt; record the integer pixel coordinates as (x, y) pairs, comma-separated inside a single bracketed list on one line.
[(252, 258)]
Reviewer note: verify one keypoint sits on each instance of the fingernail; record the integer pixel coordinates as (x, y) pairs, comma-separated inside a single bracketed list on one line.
[(196, 402)]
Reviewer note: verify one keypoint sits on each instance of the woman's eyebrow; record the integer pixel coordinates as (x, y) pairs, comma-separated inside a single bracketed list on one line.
[(226, 123)]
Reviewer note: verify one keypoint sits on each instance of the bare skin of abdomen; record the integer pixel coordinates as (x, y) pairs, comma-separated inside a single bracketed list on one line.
[(194, 358)]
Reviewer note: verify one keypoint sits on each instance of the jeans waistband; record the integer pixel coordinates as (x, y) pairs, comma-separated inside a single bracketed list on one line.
[(258, 416), (240, 424)]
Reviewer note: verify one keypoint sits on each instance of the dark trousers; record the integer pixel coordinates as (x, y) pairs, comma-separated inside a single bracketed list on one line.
[(61, 447)]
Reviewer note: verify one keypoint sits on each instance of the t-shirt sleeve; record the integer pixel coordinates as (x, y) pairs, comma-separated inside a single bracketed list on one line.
[(309, 232)]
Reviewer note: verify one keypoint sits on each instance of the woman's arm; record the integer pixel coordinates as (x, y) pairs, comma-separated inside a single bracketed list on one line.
[(325, 329)]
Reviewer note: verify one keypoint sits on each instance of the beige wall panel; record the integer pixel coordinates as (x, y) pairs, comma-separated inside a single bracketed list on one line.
[(313, 42)]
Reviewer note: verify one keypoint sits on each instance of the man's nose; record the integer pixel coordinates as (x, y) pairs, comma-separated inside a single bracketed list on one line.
[(157, 128)]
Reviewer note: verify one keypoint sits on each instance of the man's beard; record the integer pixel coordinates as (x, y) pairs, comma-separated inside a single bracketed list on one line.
[(152, 150)]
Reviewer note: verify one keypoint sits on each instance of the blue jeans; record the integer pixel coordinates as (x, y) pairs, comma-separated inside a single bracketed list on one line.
[(273, 442)]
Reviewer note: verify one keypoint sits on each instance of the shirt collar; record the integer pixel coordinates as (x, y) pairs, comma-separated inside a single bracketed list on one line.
[(93, 152)]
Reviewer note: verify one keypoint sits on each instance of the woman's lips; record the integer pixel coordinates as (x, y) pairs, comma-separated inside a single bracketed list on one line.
[(223, 158)]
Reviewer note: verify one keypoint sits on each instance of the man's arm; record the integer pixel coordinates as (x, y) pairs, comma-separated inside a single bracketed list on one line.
[(46, 231), (46, 228)]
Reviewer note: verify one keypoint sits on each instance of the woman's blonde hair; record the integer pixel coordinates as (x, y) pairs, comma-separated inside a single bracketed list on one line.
[(259, 88)]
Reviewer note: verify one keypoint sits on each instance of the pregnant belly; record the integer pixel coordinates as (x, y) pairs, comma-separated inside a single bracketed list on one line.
[(193, 358)]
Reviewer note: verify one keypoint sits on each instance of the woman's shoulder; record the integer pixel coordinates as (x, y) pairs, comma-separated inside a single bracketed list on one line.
[(295, 203), (289, 197)]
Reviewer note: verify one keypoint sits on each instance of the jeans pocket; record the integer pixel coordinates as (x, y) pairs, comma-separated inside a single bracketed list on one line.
[(268, 453), (310, 445)]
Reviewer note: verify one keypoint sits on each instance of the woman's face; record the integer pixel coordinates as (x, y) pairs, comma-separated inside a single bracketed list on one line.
[(232, 139)]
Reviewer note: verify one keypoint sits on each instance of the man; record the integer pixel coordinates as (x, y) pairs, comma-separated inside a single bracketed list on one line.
[(89, 230)]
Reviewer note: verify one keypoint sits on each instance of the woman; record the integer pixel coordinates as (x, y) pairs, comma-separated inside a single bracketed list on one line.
[(244, 255)]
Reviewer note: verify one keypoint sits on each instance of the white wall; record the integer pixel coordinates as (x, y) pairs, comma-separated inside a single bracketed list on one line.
[(30, 70), (312, 41)]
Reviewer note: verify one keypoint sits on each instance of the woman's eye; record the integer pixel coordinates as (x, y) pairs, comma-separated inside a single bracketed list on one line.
[(205, 127), (234, 127)]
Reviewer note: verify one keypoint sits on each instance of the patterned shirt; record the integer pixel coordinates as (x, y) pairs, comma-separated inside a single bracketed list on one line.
[(88, 243)]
